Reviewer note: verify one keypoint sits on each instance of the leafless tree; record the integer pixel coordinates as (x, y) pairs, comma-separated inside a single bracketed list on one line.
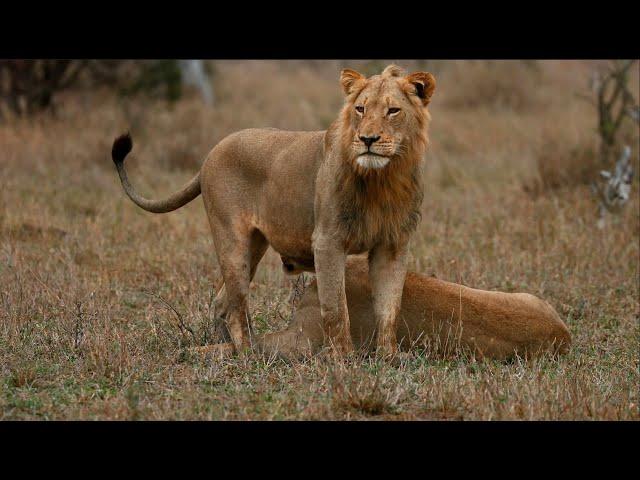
[(614, 102)]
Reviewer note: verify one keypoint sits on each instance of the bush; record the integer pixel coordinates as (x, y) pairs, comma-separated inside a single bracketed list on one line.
[(27, 86)]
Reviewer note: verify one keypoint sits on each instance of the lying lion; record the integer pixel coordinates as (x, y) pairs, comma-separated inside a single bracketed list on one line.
[(444, 315)]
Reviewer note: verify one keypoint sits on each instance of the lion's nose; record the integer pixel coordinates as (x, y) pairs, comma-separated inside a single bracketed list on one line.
[(368, 141)]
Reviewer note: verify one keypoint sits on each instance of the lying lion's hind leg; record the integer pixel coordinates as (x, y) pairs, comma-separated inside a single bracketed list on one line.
[(216, 351), (288, 345)]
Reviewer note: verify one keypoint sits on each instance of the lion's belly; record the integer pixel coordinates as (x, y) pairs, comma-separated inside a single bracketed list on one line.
[(287, 223), (285, 210)]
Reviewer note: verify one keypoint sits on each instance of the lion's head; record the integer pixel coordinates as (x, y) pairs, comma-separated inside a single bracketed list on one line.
[(382, 136), (384, 118)]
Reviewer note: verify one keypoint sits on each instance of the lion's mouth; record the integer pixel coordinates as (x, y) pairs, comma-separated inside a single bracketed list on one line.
[(372, 160)]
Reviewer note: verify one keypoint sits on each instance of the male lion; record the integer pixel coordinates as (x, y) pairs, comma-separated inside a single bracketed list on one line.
[(316, 197), (447, 316)]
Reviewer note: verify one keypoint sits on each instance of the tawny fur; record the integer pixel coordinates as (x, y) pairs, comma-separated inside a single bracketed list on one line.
[(305, 194), (444, 316), (380, 205)]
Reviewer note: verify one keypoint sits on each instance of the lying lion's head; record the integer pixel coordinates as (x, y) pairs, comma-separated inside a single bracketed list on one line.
[(385, 116)]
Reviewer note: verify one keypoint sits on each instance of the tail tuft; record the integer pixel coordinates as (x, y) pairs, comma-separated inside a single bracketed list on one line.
[(121, 148)]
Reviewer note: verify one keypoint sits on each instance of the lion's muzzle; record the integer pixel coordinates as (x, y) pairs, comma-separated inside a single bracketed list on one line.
[(372, 161)]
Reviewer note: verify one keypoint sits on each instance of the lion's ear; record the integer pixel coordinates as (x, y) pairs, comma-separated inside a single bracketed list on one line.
[(424, 83), (348, 78)]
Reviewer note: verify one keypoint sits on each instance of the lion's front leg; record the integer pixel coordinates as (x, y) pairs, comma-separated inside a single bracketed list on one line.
[(387, 271), (330, 259)]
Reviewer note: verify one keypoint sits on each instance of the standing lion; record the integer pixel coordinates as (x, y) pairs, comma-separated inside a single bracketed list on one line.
[(317, 197)]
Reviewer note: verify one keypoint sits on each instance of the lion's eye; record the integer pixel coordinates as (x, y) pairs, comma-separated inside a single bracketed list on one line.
[(393, 110), (360, 109)]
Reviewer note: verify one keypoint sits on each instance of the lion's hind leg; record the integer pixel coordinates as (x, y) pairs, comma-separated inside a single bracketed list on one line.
[(239, 253), (258, 246)]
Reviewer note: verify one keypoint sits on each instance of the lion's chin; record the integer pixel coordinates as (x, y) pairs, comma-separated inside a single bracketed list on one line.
[(374, 162)]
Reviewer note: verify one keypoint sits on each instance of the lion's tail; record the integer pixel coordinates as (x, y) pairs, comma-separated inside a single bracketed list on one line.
[(121, 148)]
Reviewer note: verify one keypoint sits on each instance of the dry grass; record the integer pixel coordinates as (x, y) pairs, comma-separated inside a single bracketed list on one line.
[(85, 276), (562, 164), (494, 85)]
